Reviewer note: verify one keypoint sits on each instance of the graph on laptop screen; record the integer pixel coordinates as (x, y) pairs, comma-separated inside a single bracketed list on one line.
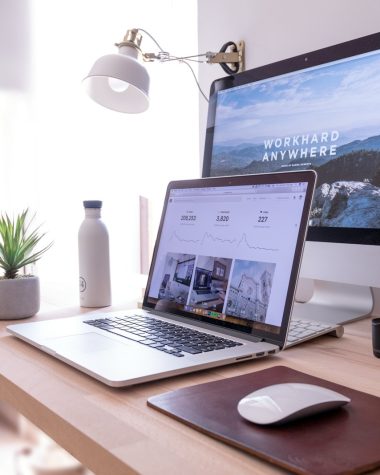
[(315, 111), (223, 251)]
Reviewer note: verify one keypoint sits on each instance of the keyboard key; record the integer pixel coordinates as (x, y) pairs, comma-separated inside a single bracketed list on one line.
[(292, 338), (147, 342), (156, 345), (125, 334), (189, 349)]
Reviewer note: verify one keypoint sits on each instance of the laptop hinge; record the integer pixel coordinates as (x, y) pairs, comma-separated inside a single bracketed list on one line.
[(272, 342)]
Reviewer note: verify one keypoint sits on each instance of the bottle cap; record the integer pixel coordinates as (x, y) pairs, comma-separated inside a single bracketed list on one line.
[(92, 204)]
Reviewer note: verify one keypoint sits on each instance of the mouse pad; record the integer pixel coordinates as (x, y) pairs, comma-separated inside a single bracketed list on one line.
[(344, 440)]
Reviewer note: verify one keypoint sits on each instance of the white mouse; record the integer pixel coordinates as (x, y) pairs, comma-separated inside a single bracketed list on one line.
[(288, 401)]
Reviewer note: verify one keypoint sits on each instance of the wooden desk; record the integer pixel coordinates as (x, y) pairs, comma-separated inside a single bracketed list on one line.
[(113, 432)]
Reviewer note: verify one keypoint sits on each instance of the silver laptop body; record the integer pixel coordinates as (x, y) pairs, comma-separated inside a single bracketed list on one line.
[(222, 281)]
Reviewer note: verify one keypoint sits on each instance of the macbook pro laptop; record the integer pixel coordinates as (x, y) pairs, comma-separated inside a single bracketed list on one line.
[(220, 288)]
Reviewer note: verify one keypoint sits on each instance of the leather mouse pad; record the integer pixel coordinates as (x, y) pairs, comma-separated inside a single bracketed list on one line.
[(344, 440)]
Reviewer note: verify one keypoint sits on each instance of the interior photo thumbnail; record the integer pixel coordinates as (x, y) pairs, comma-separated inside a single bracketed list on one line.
[(210, 282), (176, 279)]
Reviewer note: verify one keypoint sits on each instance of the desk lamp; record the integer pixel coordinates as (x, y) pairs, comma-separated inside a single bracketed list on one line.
[(120, 81)]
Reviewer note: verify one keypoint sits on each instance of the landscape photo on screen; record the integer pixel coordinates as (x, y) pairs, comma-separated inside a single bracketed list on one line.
[(324, 118)]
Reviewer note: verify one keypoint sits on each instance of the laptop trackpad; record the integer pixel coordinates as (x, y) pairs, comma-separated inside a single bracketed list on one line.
[(90, 342), (105, 358)]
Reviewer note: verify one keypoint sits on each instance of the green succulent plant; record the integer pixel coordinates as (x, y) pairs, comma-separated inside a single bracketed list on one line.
[(18, 242)]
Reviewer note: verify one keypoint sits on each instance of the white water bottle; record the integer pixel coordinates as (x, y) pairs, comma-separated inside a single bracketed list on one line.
[(94, 261)]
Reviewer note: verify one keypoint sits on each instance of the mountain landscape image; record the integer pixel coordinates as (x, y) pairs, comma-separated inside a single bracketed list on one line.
[(348, 184), (324, 118)]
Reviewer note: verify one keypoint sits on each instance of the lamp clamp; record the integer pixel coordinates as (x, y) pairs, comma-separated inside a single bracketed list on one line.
[(234, 60)]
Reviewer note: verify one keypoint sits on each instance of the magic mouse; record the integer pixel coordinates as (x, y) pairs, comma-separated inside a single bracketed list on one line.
[(285, 402)]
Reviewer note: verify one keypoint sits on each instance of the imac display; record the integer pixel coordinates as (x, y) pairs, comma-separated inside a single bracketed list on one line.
[(316, 111)]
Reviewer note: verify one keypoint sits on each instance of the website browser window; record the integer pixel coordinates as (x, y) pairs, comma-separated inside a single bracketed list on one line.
[(227, 252)]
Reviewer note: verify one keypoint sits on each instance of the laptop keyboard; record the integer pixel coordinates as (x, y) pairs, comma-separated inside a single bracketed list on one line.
[(303, 329), (163, 336)]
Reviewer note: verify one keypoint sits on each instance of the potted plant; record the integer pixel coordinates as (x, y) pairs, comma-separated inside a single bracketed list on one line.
[(19, 293)]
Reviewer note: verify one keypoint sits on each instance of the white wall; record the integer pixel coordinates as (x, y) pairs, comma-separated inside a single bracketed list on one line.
[(57, 147), (277, 29)]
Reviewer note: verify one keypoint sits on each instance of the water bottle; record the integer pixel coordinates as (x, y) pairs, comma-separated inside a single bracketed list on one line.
[(94, 261)]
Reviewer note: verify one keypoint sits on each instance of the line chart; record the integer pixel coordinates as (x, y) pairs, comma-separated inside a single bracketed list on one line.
[(243, 240)]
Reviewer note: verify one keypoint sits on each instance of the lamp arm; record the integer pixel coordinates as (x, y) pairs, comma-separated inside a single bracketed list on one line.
[(231, 61)]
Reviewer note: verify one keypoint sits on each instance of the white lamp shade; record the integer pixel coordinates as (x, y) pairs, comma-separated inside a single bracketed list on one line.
[(119, 82)]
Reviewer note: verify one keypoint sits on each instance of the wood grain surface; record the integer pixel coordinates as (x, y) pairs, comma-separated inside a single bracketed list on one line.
[(114, 432)]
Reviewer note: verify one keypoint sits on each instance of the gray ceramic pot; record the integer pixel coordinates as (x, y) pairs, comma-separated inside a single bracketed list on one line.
[(19, 298)]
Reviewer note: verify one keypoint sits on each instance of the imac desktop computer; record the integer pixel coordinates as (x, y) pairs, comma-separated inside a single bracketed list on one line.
[(319, 110)]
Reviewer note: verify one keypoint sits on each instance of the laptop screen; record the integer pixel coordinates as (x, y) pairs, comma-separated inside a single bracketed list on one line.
[(226, 249)]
